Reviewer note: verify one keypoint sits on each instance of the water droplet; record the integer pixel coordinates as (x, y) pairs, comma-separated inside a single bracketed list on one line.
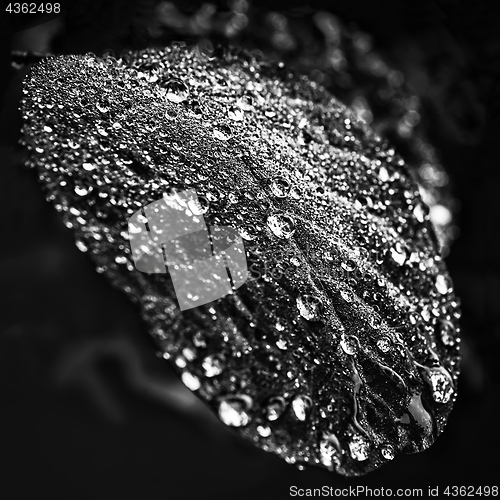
[(83, 190), (235, 113), (245, 102), (384, 344), (375, 321), (275, 408), (347, 295), (280, 187), (248, 233), (213, 365), (310, 307), (447, 333), (222, 132), (81, 246), (330, 451), (399, 254), (281, 344), (120, 259), (301, 406), (102, 107), (199, 206), (349, 344), (281, 225), (441, 384), (443, 284), (349, 266), (383, 174), (171, 113), (387, 451), (191, 381), (176, 90), (420, 211), (233, 410), (89, 166), (359, 448), (264, 431)]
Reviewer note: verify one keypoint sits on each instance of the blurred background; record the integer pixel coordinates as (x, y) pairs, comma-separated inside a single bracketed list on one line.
[(87, 408)]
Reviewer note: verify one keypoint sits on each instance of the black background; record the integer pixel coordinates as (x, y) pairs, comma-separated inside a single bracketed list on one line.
[(82, 414)]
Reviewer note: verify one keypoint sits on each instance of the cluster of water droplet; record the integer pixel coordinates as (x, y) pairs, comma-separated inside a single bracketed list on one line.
[(344, 350)]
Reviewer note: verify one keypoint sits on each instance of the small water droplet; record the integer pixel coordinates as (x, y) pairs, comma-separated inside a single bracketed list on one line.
[(191, 381), (359, 448), (280, 187), (447, 333), (102, 107), (420, 211), (245, 102), (384, 344), (330, 450), (347, 295), (235, 113), (176, 90), (443, 284), (399, 254), (233, 410), (281, 225), (199, 206), (387, 451), (248, 233), (89, 166), (120, 259), (441, 384), (383, 174), (83, 190), (222, 132), (81, 246), (213, 365), (275, 408), (349, 344), (301, 406), (264, 430), (310, 307)]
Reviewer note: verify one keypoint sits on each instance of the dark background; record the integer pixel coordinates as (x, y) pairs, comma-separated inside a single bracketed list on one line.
[(86, 407)]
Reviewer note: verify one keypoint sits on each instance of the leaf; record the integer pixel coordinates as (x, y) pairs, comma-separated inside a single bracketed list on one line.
[(341, 349)]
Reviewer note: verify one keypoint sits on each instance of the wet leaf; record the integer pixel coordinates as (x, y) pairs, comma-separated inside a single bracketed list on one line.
[(341, 349)]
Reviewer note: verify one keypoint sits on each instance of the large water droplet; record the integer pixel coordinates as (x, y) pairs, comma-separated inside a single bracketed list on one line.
[(176, 90), (301, 406), (233, 410), (310, 307), (281, 225)]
